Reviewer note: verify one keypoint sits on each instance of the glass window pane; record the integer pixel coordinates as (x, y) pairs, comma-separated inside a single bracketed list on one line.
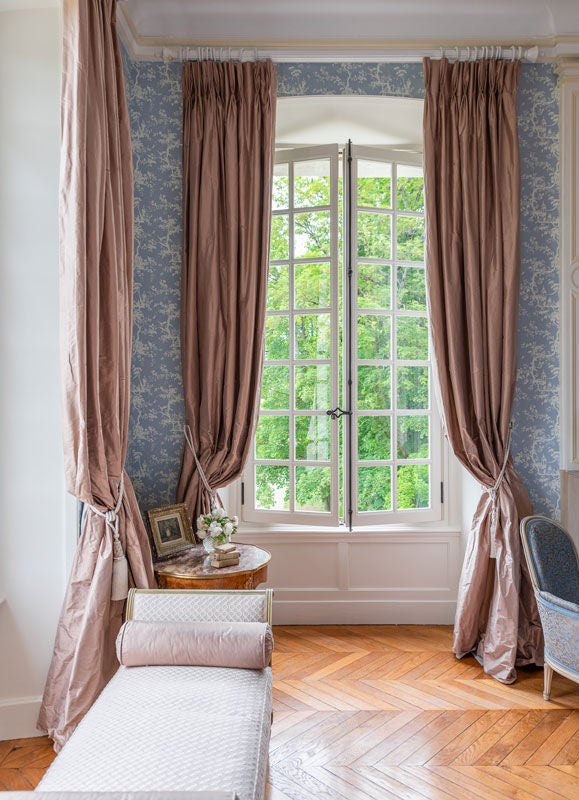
[(280, 188), (412, 338), (277, 338), (312, 336), (413, 486), (409, 188), (374, 438), (410, 238), (312, 234), (312, 286), (271, 487), (374, 489), (413, 437), (374, 235), (272, 438), (412, 387), (313, 488), (313, 438), (411, 288), (373, 388), (312, 183), (278, 287), (374, 286), (279, 241), (374, 184), (313, 388), (373, 336), (275, 388)]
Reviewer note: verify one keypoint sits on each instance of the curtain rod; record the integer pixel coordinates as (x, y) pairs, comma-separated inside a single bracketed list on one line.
[(374, 54), (508, 53)]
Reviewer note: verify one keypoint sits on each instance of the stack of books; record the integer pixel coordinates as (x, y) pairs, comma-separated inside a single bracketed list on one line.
[(225, 555)]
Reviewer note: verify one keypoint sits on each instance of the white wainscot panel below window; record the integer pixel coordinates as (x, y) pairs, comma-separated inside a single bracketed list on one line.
[(368, 578), (399, 565)]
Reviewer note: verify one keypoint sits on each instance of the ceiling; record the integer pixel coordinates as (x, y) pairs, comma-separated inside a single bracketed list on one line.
[(346, 24)]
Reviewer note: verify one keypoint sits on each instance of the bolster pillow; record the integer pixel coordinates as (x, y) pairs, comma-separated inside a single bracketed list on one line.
[(246, 645)]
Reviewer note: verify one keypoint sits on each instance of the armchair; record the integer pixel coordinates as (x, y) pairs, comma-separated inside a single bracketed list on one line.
[(554, 570)]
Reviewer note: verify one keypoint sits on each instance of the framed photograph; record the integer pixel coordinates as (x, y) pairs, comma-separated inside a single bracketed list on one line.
[(171, 530)]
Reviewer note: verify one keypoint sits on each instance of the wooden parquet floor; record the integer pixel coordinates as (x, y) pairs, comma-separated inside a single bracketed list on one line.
[(388, 713)]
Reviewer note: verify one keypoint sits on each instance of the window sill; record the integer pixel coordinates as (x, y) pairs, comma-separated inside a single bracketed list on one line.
[(301, 533)]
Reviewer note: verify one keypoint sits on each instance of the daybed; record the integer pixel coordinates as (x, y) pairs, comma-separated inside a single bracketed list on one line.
[(176, 728), (119, 796)]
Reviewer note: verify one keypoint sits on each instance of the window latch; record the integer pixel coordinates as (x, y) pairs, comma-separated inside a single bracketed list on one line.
[(336, 413)]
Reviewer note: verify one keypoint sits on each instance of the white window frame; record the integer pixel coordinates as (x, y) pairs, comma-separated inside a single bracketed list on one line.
[(249, 512), (434, 461)]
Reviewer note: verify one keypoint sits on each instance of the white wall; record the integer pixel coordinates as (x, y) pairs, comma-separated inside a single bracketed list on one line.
[(32, 496), (569, 85)]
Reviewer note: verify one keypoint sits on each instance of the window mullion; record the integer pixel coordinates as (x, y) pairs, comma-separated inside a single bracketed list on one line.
[(335, 334), (292, 419), (349, 431), (394, 344)]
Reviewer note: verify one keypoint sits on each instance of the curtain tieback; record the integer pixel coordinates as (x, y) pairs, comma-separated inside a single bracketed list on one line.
[(493, 493), (215, 498), (120, 576)]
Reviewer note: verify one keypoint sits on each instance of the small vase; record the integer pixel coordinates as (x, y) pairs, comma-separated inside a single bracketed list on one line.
[(209, 543)]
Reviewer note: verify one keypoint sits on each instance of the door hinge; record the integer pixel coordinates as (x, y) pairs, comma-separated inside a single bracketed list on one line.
[(242, 493), (442, 492)]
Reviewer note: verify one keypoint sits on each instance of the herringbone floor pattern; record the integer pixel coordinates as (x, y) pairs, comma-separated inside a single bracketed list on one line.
[(388, 713)]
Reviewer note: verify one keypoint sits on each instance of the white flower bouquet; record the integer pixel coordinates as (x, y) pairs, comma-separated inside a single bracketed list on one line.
[(216, 527)]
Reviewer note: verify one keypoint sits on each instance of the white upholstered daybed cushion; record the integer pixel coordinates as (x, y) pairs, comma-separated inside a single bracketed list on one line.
[(119, 796), (171, 728)]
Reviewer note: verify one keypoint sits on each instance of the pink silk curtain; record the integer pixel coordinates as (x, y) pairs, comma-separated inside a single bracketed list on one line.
[(228, 146), (96, 238), (472, 177)]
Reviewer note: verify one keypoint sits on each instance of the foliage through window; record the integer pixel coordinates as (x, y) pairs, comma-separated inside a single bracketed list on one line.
[(346, 332)]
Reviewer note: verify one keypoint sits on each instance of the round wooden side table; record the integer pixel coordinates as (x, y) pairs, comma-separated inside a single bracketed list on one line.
[(192, 570)]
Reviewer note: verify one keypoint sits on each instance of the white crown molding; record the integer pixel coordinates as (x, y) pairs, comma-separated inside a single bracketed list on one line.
[(159, 49)]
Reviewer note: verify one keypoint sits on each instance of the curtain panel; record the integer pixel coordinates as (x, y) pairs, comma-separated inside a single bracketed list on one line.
[(472, 189), (96, 283), (228, 148)]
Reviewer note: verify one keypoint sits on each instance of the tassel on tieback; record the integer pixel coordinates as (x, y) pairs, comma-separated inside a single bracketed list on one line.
[(120, 573), (120, 578)]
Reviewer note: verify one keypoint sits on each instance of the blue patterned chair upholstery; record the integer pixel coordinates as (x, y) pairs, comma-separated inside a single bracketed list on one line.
[(554, 569)]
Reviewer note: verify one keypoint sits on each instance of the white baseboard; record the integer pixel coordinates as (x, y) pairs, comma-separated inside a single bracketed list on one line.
[(18, 717), (363, 612)]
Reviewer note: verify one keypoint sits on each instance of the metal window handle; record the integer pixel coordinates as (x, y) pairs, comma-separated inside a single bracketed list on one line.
[(336, 413)]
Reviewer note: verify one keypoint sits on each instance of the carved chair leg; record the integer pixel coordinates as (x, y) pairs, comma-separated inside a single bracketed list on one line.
[(548, 677)]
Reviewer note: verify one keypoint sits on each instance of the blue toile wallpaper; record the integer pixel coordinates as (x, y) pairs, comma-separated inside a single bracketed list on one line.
[(156, 421), (536, 431), (154, 97)]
